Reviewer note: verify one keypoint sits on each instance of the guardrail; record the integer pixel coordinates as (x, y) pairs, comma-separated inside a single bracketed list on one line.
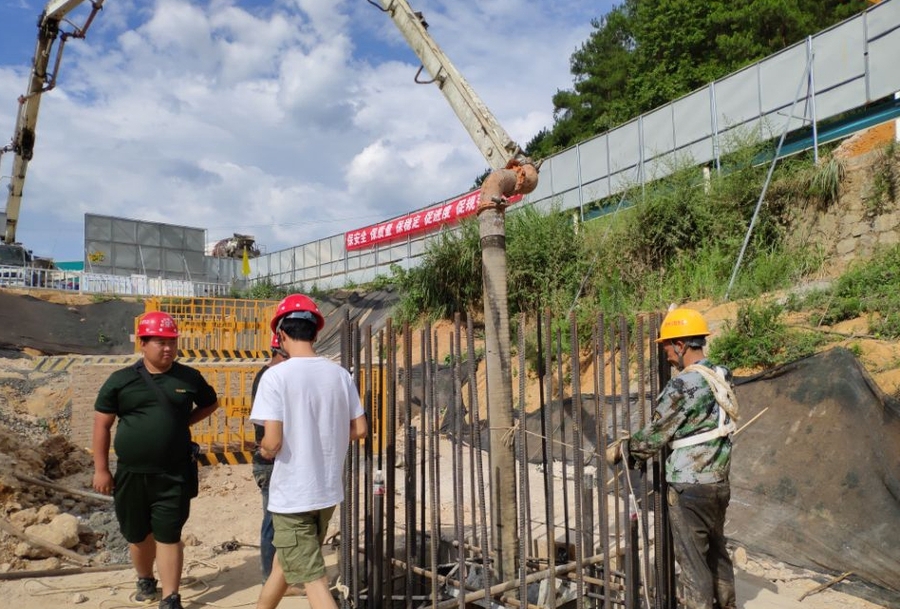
[(96, 283)]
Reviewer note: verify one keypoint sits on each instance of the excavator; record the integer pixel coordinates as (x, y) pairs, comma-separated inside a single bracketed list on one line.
[(41, 80)]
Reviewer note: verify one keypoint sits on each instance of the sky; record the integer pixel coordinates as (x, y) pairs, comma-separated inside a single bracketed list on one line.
[(291, 120)]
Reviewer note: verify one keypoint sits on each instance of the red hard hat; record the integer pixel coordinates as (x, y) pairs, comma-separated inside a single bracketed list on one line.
[(296, 305), (157, 323), (276, 344)]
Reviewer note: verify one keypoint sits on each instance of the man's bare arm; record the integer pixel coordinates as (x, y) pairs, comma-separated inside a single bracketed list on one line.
[(359, 428), (272, 439)]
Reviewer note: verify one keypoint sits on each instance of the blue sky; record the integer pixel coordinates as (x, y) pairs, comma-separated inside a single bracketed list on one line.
[(291, 120)]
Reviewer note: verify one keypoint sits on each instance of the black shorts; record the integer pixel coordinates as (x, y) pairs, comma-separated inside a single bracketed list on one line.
[(151, 503)]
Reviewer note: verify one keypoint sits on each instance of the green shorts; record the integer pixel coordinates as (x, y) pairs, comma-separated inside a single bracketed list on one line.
[(298, 544), (151, 503)]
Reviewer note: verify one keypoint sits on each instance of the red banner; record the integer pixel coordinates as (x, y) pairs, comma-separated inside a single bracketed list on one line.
[(417, 222)]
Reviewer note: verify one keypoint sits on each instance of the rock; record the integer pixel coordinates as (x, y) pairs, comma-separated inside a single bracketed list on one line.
[(5, 567), (62, 530), (740, 558), (103, 558), (24, 549), (47, 513), (78, 598), (190, 539), (43, 565), (24, 518)]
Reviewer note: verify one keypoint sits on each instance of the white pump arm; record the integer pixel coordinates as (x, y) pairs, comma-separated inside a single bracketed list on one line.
[(40, 82), (492, 140)]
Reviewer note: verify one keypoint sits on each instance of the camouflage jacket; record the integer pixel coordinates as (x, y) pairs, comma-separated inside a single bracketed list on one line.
[(686, 407)]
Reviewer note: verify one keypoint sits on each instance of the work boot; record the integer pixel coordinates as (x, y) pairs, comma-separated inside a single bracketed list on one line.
[(173, 601), (146, 590)]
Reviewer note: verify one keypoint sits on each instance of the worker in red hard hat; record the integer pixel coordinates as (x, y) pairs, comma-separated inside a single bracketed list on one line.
[(155, 401), (311, 411)]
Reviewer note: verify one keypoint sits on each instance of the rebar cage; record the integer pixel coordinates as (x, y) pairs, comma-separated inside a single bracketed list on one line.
[(416, 524)]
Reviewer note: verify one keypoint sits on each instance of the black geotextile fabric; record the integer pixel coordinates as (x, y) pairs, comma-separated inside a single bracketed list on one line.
[(815, 479)]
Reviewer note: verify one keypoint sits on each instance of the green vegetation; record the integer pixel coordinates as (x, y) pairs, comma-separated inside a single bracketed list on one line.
[(759, 338), (867, 289), (885, 178)]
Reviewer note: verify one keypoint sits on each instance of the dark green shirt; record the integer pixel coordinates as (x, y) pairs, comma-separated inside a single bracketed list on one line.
[(153, 438)]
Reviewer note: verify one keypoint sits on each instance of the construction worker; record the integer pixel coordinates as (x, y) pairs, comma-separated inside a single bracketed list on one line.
[(262, 473), (311, 412), (155, 402), (694, 417)]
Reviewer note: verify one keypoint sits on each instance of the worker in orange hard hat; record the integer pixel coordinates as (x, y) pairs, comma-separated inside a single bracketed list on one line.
[(694, 417), (155, 402), (310, 409)]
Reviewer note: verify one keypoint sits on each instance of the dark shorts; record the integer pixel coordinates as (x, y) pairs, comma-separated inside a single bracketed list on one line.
[(151, 503), (298, 544)]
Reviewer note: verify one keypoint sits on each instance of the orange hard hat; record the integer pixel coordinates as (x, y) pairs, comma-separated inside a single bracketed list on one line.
[(157, 323), (298, 306), (682, 323)]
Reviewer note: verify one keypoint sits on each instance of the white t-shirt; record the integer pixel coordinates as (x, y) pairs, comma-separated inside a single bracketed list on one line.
[(315, 399)]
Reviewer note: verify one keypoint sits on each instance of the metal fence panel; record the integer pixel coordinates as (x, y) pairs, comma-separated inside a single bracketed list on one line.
[(691, 115), (658, 133), (737, 98), (565, 172), (594, 159), (779, 77), (624, 146), (839, 55), (883, 54)]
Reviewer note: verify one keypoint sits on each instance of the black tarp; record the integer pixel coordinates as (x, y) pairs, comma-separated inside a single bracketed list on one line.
[(816, 478)]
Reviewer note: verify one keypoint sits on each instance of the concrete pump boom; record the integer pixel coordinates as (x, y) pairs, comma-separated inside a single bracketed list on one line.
[(40, 82), (512, 174), (492, 140)]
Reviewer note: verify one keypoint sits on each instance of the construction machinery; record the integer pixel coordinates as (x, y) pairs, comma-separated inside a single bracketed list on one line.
[(41, 80), (513, 174), (492, 140), (235, 246)]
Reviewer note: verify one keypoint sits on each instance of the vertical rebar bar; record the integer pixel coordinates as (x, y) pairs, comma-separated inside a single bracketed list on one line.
[(423, 459), (578, 460), (356, 577), (387, 379), (560, 382), (409, 461), (546, 417), (364, 370), (346, 532), (458, 498), (523, 467), (486, 553), (431, 437), (602, 433), (641, 371)]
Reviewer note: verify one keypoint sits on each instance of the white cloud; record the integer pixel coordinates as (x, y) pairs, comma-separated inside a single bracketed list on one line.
[(292, 121)]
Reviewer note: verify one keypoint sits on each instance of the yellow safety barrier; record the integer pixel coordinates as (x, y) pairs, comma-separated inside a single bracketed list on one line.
[(217, 327), (227, 436)]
